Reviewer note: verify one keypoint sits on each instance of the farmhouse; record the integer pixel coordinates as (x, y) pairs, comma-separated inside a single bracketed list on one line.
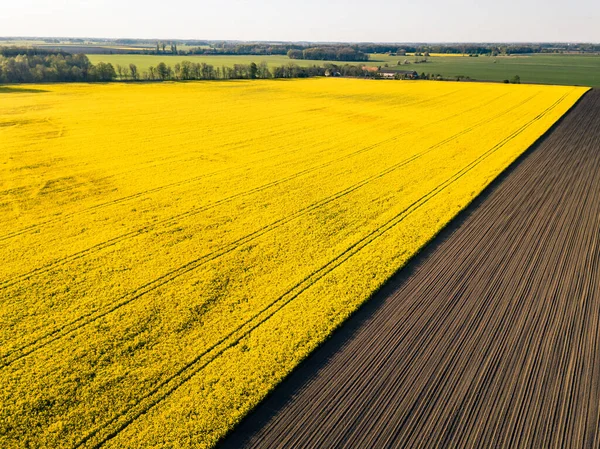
[(371, 69), (332, 73), (404, 74)]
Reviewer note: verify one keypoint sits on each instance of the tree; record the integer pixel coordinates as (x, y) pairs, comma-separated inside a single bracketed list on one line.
[(295, 54), (252, 70), (185, 70), (162, 71), (208, 71), (196, 71), (120, 70), (239, 71), (516, 79), (263, 70), (105, 71), (133, 72)]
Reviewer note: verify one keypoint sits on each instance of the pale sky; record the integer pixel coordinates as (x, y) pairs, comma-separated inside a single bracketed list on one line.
[(308, 20)]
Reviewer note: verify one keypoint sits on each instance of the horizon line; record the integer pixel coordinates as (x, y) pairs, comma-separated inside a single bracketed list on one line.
[(300, 41)]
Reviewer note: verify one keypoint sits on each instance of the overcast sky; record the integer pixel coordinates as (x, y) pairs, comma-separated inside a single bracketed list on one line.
[(308, 20)]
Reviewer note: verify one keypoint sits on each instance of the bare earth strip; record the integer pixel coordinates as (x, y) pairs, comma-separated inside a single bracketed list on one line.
[(489, 338)]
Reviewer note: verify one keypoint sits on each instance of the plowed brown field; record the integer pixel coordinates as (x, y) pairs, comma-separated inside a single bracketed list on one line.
[(489, 338)]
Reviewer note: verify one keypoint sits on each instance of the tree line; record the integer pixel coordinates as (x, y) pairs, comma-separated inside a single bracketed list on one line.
[(29, 51), (170, 47), (220, 47), (281, 48), (33, 66), (360, 52), (52, 67), (187, 70), (244, 49), (329, 54)]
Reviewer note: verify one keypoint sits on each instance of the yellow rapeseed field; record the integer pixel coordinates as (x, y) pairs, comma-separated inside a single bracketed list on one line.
[(443, 55), (169, 252)]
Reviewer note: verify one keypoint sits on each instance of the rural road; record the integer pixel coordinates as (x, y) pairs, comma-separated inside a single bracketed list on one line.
[(489, 338)]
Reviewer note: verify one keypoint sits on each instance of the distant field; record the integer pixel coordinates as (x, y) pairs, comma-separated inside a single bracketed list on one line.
[(169, 252), (442, 55), (145, 61), (93, 49), (75, 47), (21, 43), (581, 70)]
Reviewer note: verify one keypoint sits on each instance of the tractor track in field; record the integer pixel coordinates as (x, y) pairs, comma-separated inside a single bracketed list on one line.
[(174, 220), (35, 227), (113, 426), (490, 337), (62, 331)]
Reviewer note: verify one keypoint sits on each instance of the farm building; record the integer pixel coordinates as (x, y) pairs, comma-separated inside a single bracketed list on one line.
[(371, 69), (404, 74), (332, 73)]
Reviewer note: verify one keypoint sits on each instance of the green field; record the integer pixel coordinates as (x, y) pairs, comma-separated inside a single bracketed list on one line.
[(143, 62), (539, 68)]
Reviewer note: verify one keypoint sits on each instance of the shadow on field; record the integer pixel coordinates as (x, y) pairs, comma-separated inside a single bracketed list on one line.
[(307, 370), (20, 90)]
